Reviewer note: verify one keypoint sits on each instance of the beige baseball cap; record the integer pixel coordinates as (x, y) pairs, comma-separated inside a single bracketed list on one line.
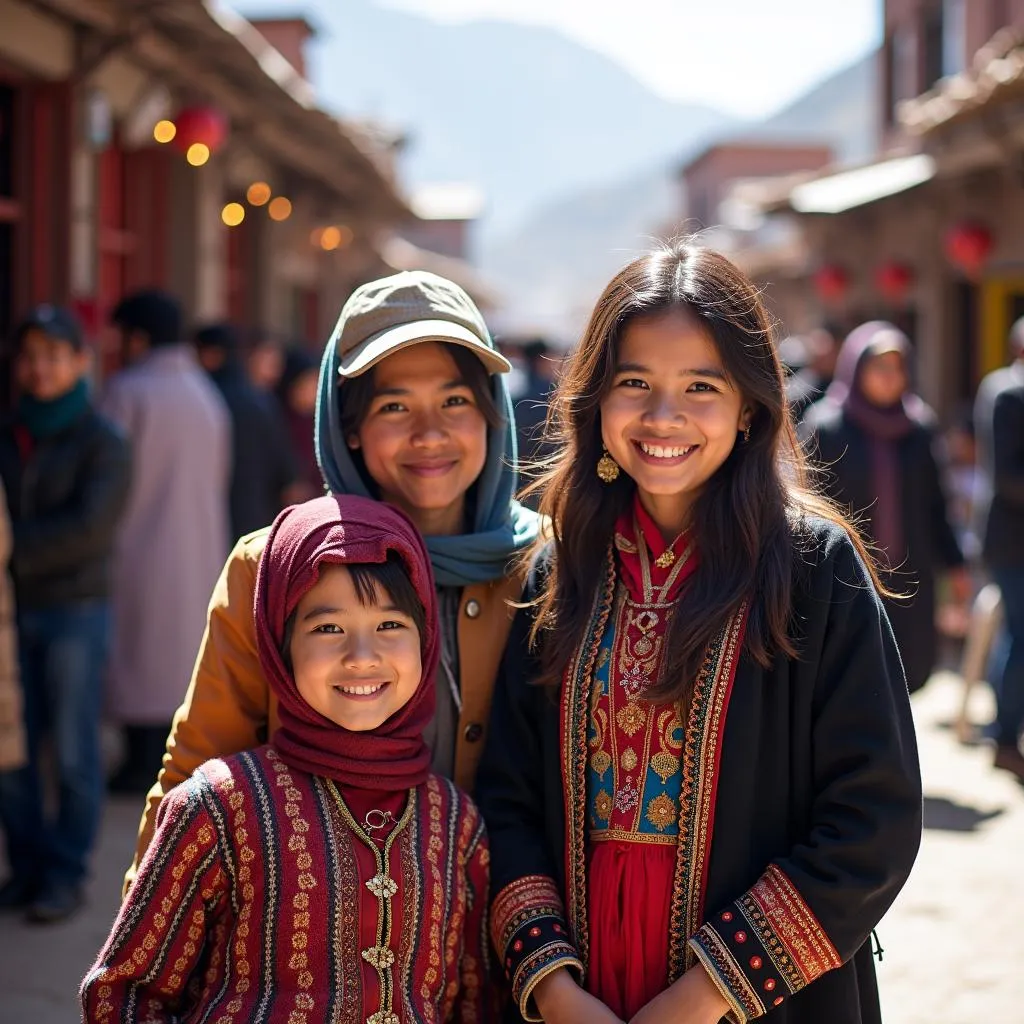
[(405, 309)]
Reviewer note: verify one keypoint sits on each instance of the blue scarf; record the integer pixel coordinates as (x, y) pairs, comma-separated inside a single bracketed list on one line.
[(502, 529), (47, 419)]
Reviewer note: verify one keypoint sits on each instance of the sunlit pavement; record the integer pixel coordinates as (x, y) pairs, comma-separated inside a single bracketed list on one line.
[(954, 941)]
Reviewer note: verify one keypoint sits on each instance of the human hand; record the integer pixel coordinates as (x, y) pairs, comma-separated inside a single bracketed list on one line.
[(561, 1001), (693, 999)]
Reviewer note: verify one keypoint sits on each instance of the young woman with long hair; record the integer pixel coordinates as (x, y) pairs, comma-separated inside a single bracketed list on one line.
[(701, 779)]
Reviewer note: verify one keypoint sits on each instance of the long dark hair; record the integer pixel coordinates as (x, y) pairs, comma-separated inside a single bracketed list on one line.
[(745, 519)]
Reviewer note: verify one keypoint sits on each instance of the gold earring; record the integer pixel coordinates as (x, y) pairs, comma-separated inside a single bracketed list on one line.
[(607, 468), (746, 434)]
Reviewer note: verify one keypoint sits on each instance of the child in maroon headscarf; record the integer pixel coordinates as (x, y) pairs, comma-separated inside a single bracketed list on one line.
[(330, 876)]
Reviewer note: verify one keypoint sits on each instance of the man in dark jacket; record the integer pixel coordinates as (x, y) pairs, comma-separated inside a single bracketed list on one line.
[(264, 473), (66, 471), (999, 427)]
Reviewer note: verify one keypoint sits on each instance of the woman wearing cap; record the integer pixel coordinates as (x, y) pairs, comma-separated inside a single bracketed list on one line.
[(875, 438), (413, 410)]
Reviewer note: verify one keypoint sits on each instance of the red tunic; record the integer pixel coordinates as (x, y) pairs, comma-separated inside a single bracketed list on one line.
[(634, 777), (261, 898)]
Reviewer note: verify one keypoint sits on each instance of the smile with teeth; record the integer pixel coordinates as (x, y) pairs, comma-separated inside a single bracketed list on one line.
[(366, 690), (658, 451)]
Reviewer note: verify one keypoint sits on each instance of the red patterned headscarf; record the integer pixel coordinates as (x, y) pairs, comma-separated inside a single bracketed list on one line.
[(343, 530)]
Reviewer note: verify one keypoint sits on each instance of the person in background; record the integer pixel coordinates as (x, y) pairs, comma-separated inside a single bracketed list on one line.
[(531, 402), (264, 363), (297, 393), (963, 482), (66, 471), (175, 532), (999, 422), (13, 747), (875, 439), (809, 383), (264, 473)]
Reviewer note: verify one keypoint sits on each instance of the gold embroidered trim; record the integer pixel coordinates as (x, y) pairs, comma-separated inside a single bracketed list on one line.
[(379, 956), (699, 765), (574, 715)]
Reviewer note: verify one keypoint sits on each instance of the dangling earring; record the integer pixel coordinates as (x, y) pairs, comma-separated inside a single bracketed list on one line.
[(746, 434), (607, 467)]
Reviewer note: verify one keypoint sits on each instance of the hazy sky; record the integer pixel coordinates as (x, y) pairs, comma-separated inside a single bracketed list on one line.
[(748, 57)]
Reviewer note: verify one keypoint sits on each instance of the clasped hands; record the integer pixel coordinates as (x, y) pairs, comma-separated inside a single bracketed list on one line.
[(693, 999)]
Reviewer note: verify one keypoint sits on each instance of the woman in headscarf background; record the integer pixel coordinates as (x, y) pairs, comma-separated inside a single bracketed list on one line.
[(295, 881), (413, 410), (875, 438)]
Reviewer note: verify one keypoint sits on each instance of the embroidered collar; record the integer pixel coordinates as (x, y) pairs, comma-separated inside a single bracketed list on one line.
[(652, 570)]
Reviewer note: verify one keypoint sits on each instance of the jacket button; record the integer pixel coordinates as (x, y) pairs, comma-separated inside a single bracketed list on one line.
[(473, 732), (472, 608)]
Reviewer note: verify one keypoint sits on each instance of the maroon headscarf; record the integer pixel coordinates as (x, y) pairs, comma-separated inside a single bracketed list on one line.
[(883, 427), (345, 530)]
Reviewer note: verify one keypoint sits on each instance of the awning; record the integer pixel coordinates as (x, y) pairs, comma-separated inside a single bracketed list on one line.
[(863, 185)]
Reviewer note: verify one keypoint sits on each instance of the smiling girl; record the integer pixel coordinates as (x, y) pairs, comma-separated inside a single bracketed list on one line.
[(413, 411), (701, 782), (330, 876)]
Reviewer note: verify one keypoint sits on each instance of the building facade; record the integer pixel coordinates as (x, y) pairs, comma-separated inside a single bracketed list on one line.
[(931, 234), (271, 227)]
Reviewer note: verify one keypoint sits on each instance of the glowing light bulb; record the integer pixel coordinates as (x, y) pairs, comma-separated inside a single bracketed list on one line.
[(330, 239), (233, 214), (279, 208), (258, 193), (197, 154), (164, 131)]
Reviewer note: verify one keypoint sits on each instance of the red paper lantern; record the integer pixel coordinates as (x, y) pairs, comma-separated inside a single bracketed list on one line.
[(831, 282), (204, 125), (894, 280), (968, 245)]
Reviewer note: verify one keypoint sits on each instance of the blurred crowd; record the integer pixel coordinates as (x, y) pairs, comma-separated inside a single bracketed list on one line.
[(122, 503)]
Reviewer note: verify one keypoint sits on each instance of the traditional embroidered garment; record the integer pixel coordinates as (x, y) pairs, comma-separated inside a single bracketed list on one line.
[(263, 900), (634, 780), (799, 813)]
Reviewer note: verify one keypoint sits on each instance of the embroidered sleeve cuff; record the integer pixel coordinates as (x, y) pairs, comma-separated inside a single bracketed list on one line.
[(530, 934), (763, 948)]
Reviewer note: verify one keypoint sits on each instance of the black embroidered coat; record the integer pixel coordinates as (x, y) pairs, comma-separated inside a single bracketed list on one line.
[(799, 821)]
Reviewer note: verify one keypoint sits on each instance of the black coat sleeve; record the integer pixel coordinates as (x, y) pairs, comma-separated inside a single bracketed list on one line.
[(813, 908), (85, 526), (528, 924), (1008, 446)]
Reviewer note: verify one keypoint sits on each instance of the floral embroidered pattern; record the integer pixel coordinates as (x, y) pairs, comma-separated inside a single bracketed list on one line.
[(662, 812), (788, 929), (633, 740), (631, 718)]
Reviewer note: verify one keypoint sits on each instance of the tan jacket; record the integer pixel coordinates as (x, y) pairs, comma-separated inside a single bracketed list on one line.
[(229, 707), (13, 751)]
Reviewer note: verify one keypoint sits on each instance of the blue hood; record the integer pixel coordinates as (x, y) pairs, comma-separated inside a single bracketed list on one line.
[(502, 529)]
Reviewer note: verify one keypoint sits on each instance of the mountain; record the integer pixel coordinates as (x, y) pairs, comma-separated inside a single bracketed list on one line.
[(843, 110), (522, 111), (557, 259)]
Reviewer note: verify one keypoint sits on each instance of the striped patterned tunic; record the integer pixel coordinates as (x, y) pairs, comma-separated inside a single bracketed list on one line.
[(262, 900)]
